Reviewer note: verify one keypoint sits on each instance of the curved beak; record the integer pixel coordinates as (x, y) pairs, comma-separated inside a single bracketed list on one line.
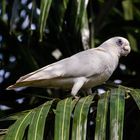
[(127, 49)]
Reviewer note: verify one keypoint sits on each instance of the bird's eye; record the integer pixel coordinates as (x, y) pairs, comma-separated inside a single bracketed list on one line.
[(119, 42)]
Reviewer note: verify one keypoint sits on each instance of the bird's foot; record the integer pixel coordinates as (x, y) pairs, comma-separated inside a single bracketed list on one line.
[(76, 97)]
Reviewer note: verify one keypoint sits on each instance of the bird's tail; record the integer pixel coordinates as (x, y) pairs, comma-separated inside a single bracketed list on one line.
[(16, 85), (33, 83)]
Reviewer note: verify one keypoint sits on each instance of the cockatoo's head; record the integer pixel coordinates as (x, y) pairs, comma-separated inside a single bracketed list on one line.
[(121, 44)]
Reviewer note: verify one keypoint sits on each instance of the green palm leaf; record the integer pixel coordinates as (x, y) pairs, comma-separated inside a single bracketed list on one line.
[(35, 119), (62, 119), (16, 131), (79, 127), (45, 8), (101, 118), (36, 128), (117, 104)]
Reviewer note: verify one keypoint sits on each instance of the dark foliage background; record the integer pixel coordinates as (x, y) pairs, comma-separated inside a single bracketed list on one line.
[(21, 50)]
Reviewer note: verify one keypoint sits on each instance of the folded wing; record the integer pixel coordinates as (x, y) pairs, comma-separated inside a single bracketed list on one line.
[(83, 64)]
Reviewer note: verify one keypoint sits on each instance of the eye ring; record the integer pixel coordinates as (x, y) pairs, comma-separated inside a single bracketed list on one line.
[(119, 42)]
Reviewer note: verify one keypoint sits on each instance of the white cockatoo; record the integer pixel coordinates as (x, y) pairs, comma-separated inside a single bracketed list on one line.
[(83, 70)]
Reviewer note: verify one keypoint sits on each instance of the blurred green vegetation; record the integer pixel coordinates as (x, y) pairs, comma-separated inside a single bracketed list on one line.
[(36, 33)]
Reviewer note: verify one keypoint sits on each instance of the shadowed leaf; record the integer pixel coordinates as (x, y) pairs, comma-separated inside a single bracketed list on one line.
[(136, 96)]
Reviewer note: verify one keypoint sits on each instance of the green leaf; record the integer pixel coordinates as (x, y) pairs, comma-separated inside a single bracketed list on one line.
[(3, 12), (128, 9), (14, 116), (82, 23), (45, 8), (78, 11), (79, 127), (85, 32), (117, 104), (17, 130), (129, 15), (37, 126), (136, 96), (62, 119), (133, 42), (101, 118)]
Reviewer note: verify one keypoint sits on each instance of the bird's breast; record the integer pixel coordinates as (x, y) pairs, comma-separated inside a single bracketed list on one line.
[(98, 79)]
